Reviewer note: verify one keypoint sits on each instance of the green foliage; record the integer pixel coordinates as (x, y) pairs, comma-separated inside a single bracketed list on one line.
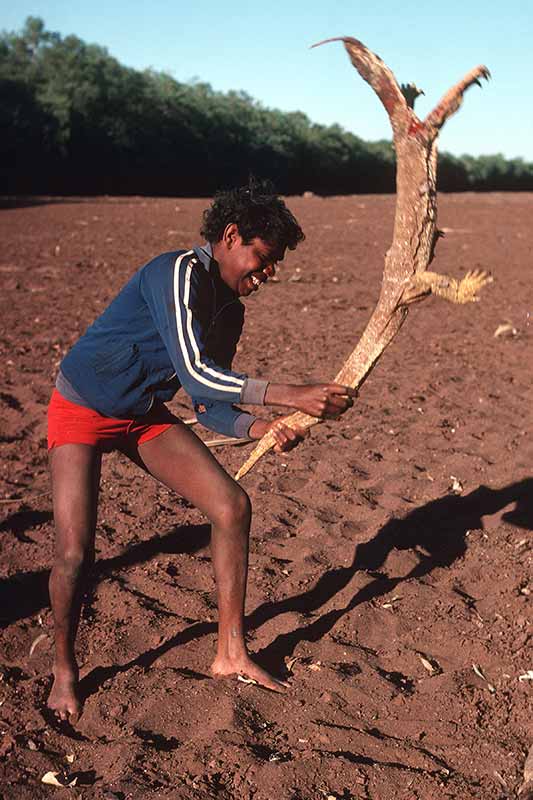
[(74, 119)]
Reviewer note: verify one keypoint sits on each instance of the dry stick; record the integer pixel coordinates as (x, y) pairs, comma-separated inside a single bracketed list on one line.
[(405, 276), (25, 499), (225, 441)]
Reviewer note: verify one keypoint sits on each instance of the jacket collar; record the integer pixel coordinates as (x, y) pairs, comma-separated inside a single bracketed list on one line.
[(205, 255)]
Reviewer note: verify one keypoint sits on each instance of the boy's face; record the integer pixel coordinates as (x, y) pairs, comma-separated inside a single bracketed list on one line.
[(245, 267)]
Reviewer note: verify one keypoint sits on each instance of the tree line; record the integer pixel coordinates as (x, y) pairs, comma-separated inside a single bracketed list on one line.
[(76, 121)]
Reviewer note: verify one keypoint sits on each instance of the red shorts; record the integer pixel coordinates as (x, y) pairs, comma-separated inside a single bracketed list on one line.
[(69, 423)]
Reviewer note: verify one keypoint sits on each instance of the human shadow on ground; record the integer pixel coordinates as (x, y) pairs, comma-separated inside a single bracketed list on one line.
[(435, 531), (26, 593), (23, 520)]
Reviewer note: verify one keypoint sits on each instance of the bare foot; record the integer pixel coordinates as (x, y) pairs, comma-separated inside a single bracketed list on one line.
[(63, 698), (243, 665)]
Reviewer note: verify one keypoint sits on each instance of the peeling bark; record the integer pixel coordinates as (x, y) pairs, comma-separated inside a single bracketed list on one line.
[(405, 276)]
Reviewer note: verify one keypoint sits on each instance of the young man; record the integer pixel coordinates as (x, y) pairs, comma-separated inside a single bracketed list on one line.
[(175, 323)]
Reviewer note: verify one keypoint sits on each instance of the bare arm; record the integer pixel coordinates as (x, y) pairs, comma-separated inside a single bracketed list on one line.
[(321, 400)]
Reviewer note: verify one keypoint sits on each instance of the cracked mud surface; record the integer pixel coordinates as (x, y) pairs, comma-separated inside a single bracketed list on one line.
[(372, 584)]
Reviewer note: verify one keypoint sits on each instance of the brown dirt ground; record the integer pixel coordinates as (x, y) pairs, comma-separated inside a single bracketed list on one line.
[(363, 559)]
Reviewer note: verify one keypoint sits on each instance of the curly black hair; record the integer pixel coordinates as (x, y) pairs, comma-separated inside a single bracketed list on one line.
[(257, 211)]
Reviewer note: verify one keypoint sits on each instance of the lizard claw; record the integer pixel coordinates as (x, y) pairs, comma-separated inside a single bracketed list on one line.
[(469, 286)]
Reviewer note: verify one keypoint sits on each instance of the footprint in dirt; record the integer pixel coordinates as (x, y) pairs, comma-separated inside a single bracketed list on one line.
[(292, 482)]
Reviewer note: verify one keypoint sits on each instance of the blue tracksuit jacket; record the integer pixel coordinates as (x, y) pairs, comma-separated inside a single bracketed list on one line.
[(175, 323)]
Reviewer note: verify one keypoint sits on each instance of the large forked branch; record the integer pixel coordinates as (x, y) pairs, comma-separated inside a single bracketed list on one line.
[(405, 277)]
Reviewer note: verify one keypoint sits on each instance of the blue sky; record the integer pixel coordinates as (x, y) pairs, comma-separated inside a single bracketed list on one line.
[(263, 49)]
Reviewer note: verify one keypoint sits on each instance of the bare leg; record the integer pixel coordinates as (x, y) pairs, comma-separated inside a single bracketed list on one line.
[(181, 461), (75, 480)]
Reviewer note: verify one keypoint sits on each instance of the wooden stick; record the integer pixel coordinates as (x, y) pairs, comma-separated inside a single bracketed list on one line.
[(224, 441), (415, 235), (26, 498)]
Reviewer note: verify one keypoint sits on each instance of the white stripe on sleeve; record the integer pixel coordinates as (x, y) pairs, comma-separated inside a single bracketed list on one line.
[(185, 333)]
